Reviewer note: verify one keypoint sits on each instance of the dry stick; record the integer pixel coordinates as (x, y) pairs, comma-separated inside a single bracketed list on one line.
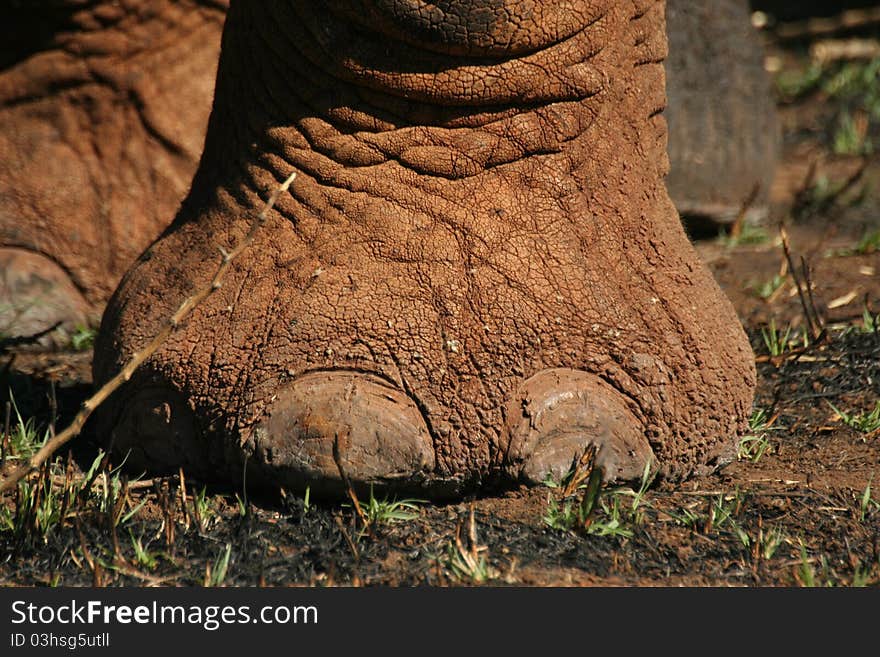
[(783, 272), (813, 323), (351, 545), (348, 487), (736, 228), (471, 554), (112, 501), (183, 508), (21, 340), (163, 495), (95, 567), (808, 283), (804, 202), (128, 370), (4, 448), (142, 484), (833, 50)]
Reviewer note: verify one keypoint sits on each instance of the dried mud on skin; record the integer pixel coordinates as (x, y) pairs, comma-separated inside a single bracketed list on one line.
[(795, 516), (806, 492)]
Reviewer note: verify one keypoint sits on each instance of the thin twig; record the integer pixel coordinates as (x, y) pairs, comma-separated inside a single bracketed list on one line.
[(183, 506), (808, 284), (820, 26), (23, 340), (849, 183), (814, 323), (4, 448), (128, 370), (805, 204), (827, 51), (351, 545), (142, 484), (348, 487), (112, 502), (95, 567), (472, 529), (736, 228), (168, 516)]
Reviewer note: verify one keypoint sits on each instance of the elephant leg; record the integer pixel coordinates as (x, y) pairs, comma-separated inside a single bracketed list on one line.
[(724, 136), (476, 275), (104, 107)]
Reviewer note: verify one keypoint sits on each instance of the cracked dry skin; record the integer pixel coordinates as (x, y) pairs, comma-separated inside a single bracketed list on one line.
[(109, 103), (476, 274), (103, 107)]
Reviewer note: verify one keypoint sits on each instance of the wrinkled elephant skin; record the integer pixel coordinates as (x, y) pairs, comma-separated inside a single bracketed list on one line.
[(477, 272), (104, 108)]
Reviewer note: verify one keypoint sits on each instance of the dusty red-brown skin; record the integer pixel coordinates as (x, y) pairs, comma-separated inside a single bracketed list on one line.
[(76, 80), (476, 274), (102, 129)]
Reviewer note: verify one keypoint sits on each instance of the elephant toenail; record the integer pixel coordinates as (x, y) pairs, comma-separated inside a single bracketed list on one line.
[(330, 426), (557, 414)]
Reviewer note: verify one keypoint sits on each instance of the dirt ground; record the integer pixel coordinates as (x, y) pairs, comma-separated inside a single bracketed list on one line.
[(799, 508)]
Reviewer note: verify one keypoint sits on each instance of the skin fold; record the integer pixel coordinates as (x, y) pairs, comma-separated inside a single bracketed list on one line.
[(477, 272)]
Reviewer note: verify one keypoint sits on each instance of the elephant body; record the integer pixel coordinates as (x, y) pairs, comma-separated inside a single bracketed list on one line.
[(104, 107), (476, 274)]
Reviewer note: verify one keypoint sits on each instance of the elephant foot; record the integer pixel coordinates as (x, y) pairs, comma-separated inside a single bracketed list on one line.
[(557, 414), (37, 295), (331, 428), (476, 274), (155, 432)]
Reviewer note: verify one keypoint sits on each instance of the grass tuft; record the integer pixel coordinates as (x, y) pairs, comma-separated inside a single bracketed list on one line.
[(866, 422), (593, 511), (768, 288), (24, 439), (867, 504), (749, 234), (215, 574), (778, 342), (754, 445), (868, 243), (83, 338), (466, 559)]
